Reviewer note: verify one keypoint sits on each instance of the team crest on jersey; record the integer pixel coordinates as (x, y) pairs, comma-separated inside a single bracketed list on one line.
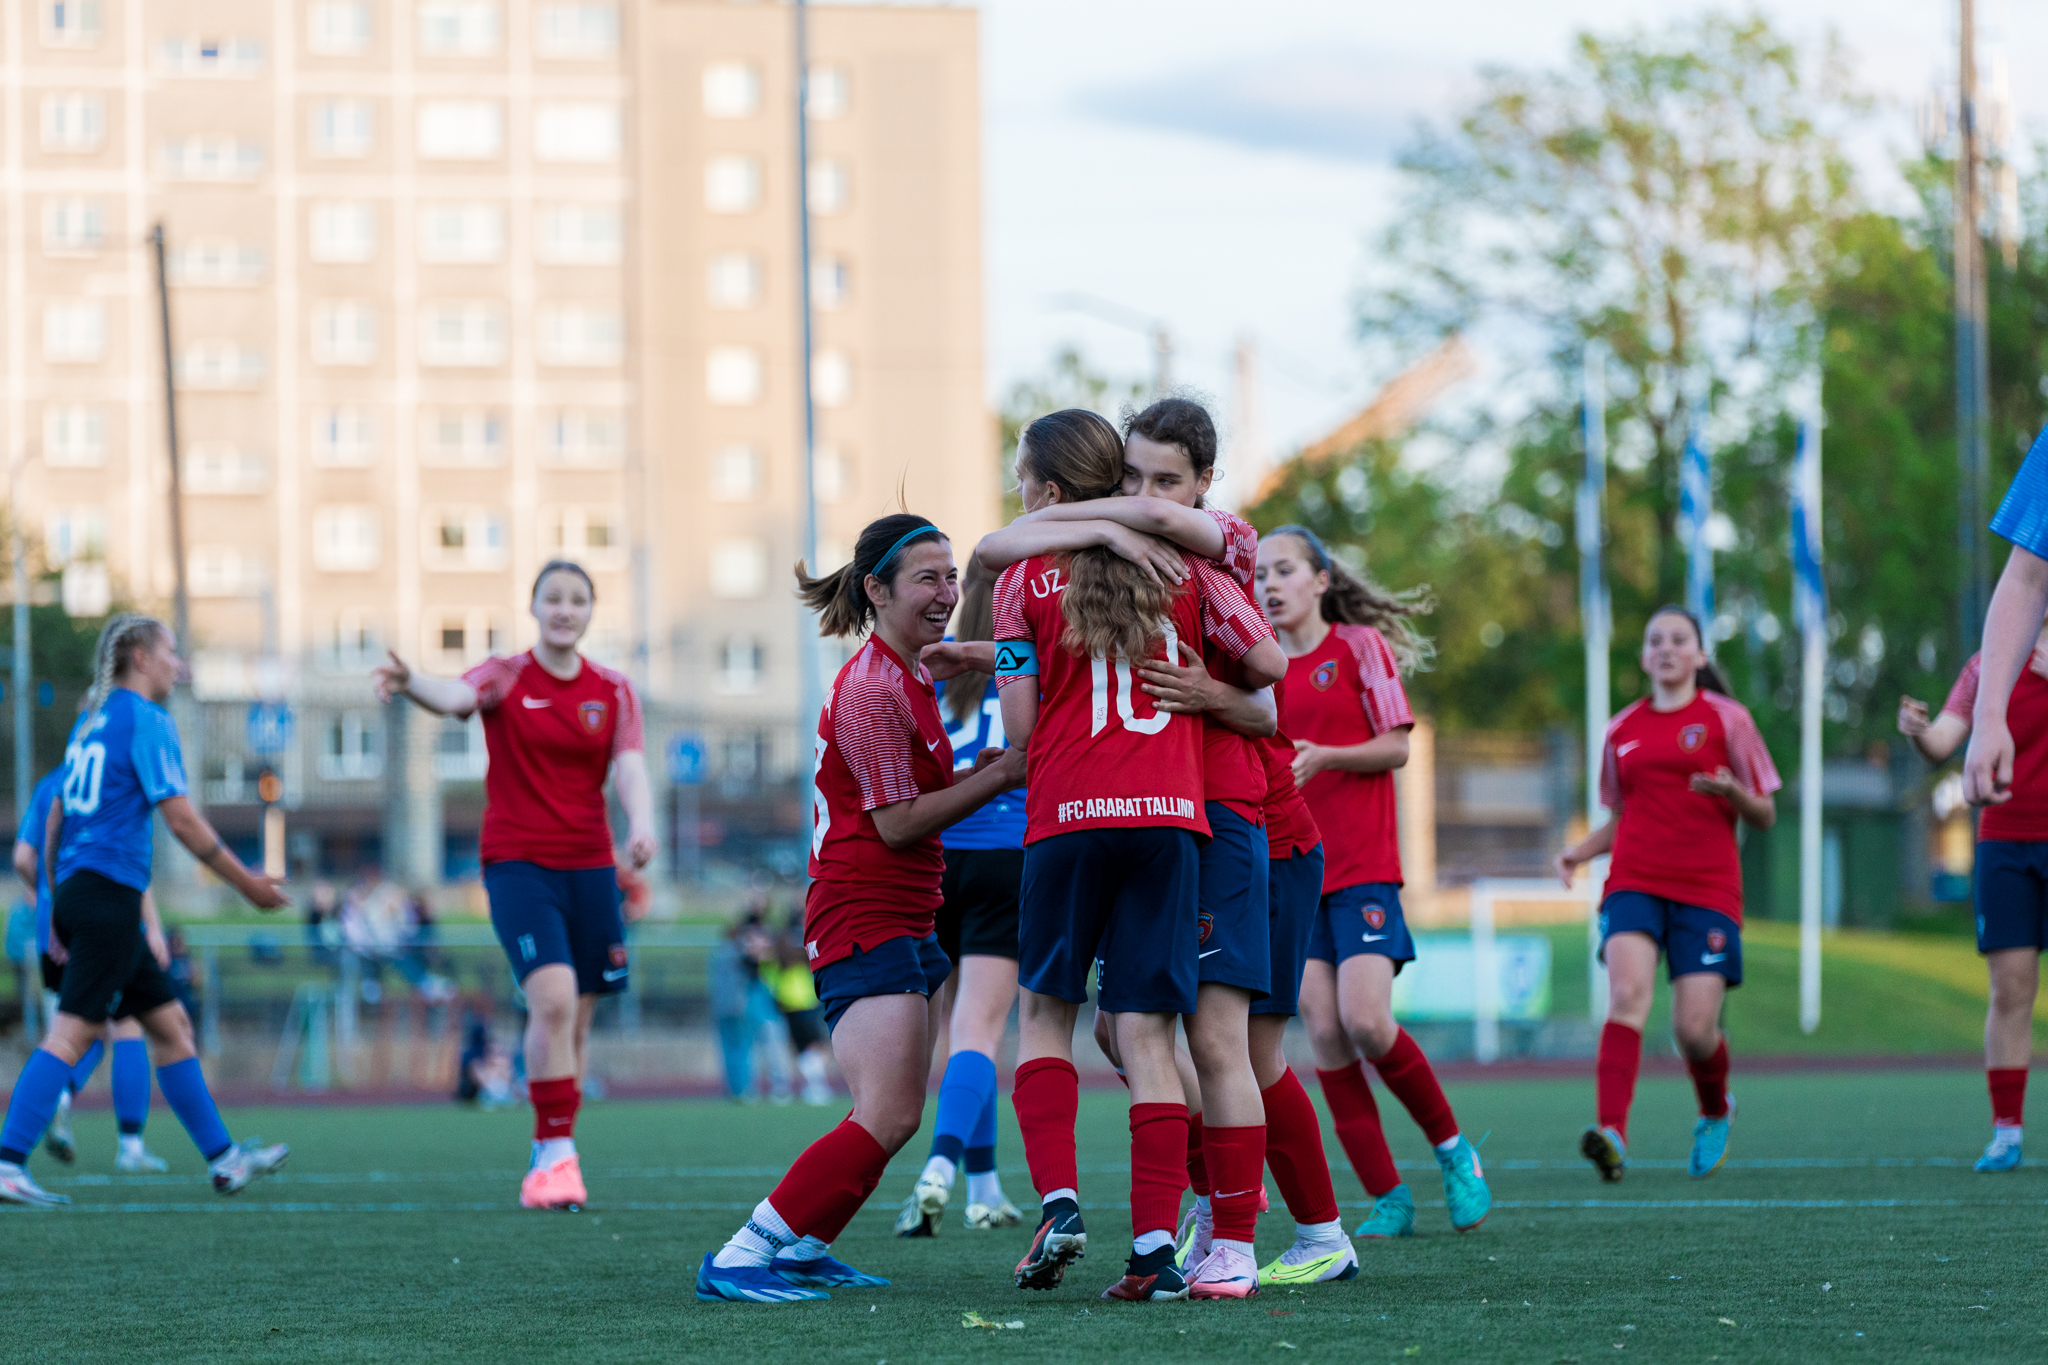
[(1691, 737), (592, 713), (1375, 917), (618, 954), (1325, 674), (1206, 923), (1716, 941)]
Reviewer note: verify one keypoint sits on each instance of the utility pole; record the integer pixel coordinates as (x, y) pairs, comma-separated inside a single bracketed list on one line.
[(1973, 385), (810, 689), (24, 719), (181, 609)]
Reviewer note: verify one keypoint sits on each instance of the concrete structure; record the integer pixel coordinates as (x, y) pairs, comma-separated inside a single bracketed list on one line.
[(458, 286)]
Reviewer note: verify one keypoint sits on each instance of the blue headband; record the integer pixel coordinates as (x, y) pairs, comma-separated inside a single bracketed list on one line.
[(1308, 538), (925, 530)]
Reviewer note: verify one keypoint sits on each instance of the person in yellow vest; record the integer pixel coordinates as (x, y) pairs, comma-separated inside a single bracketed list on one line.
[(788, 976)]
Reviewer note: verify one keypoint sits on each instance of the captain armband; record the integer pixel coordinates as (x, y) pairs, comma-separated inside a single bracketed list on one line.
[(1016, 659)]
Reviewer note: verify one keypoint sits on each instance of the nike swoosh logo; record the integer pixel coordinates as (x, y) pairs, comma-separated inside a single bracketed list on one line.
[(934, 745), (1211, 953), (617, 974), (1376, 938), (530, 704), (1710, 958), (1621, 751)]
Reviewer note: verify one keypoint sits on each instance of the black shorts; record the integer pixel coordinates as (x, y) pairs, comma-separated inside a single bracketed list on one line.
[(53, 974), (979, 913), (111, 974), (806, 1027)]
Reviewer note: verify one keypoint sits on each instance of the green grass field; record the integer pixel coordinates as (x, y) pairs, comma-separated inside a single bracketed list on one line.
[(1847, 1225)]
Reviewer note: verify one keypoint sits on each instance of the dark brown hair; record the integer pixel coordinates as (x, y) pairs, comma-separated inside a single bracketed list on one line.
[(1354, 599), (1178, 422), (840, 598), (1110, 604), (975, 620), (562, 566), (1708, 677)]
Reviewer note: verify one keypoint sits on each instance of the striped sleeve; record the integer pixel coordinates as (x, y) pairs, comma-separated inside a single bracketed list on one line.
[(1748, 759), (1379, 679), (1229, 620), (629, 736), (1610, 764), (1962, 698), (1240, 545), (873, 727), (1010, 621), (493, 679)]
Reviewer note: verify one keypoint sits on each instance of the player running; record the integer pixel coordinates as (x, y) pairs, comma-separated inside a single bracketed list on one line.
[(977, 928), (885, 788), (122, 762), (555, 723), (1350, 720), (2011, 882), (1110, 864), (1679, 768)]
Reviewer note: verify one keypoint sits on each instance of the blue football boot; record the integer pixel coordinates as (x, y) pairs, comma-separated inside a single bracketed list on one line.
[(826, 1272), (1465, 1192), (1392, 1216), (748, 1284), (2001, 1155), (1710, 1143)]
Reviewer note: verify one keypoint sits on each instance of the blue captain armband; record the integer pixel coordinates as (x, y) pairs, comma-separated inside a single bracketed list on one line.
[(1016, 659)]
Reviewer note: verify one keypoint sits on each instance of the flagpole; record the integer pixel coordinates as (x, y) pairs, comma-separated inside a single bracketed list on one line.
[(1598, 627), (1695, 510), (1810, 606)]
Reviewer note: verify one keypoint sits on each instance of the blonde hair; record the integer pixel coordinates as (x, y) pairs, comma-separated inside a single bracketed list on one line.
[(1354, 599), (119, 640)]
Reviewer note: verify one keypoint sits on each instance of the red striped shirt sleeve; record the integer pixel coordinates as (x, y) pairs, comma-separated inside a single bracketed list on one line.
[(1962, 698), (1229, 620), (873, 727), (1610, 764), (493, 678), (1748, 758), (1379, 679), (1240, 545), (630, 734)]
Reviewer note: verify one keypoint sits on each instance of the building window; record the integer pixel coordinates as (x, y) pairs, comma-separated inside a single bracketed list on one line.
[(223, 571), (462, 334), (216, 261), (212, 468), (343, 129), (74, 123), (584, 30), (458, 28), (583, 436), (732, 184), (351, 643), (71, 23), (733, 280), (581, 336), (828, 473), (223, 57), (346, 538), (735, 474), (579, 234), (344, 333), (460, 752), (344, 231), (460, 130), (465, 538), (220, 365), (831, 281), (73, 225), (351, 749), (831, 379), (739, 568), (74, 533), (732, 376), (74, 437), (739, 665), (582, 134), (218, 159), (829, 186), (453, 436), (344, 438), (74, 331), (826, 97), (593, 536), (731, 90), (338, 28), (462, 234)]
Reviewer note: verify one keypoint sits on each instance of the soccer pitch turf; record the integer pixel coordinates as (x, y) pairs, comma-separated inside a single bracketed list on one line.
[(1847, 1224)]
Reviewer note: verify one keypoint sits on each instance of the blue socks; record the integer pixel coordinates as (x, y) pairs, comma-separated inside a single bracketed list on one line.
[(981, 1147), (87, 1064), (185, 1091), (36, 1092), (131, 1085), (966, 1096)]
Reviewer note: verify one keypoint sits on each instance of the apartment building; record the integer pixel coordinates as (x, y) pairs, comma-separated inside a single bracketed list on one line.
[(458, 286)]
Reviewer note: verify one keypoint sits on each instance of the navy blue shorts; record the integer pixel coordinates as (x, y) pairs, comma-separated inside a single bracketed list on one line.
[(545, 915), (896, 966), (1127, 896), (1233, 936), (1356, 920), (1694, 939), (2011, 894), (1294, 892)]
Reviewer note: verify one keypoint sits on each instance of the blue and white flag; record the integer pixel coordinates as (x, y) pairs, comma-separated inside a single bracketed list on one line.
[(1695, 510), (1594, 606), (1809, 590)]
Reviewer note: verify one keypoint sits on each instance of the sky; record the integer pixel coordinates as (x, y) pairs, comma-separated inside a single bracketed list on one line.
[(1223, 166)]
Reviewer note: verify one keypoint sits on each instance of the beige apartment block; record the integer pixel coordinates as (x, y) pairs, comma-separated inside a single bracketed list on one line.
[(458, 286)]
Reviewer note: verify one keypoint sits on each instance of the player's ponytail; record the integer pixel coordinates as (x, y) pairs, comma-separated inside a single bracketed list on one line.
[(1708, 677), (840, 598), (119, 639), (1111, 605), (975, 619), (1354, 599)]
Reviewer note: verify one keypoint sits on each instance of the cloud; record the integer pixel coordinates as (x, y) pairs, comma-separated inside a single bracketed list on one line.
[(1345, 105)]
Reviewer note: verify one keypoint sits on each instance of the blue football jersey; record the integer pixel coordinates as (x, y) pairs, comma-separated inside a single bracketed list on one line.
[(119, 763), (999, 824), (34, 826), (2023, 515)]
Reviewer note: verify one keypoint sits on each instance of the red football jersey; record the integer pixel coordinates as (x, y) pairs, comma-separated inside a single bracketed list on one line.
[(1100, 755), (880, 740), (1233, 773), (1347, 690), (2025, 817), (1290, 828), (550, 744), (1240, 545), (1672, 841)]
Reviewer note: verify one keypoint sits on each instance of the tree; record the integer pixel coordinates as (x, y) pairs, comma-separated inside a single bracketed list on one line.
[(1068, 382)]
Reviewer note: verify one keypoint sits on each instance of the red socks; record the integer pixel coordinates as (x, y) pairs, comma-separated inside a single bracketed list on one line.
[(1238, 1158), (2008, 1094), (1159, 1144), (1198, 1165), (1621, 1055), (1294, 1150), (1710, 1082), (1047, 1097), (554, 1107), (1409, 1075), (1358, 1127), (831, 1180)]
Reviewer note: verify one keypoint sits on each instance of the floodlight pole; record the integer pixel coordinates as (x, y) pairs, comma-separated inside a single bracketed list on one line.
[(810, 686), (1597, 625), (1973, 397), (181, 610), (24, 719)]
